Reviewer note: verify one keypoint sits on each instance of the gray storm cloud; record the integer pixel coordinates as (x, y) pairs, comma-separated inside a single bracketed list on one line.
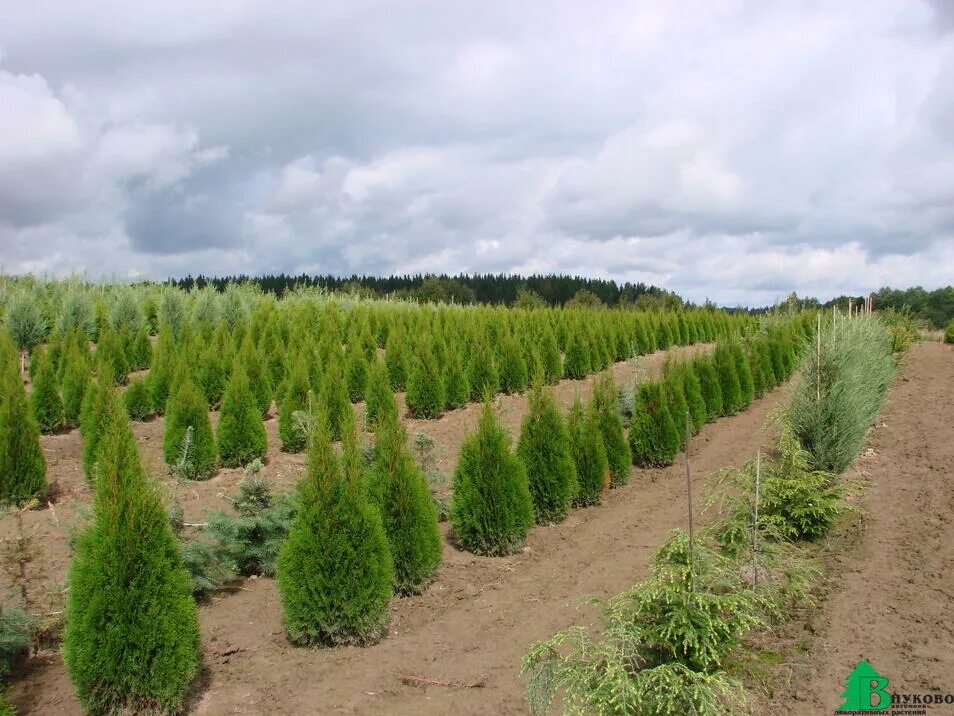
[(735, 151)]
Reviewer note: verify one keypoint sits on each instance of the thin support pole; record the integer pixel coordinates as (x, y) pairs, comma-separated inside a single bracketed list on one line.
[(755, 522), (692, 561)]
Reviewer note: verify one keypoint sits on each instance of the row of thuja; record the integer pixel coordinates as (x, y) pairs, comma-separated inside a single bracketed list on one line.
[(363, 529)]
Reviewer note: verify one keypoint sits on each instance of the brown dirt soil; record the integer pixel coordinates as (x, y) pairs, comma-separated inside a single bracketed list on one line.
[(889, 588), (472, 625)]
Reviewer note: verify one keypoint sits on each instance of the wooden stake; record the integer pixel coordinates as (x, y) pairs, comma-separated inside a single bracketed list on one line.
[(818, 361), (755, 523), (692, 561)]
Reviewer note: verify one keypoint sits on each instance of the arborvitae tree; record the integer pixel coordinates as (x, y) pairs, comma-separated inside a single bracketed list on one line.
[(698, 410), (550, 359), (379, 400), (544, 448), (137, 401), (75, 380), (425, 388), (395, 356), (164, 363), (91, 420), (187, 409), (456, 384), (663, 335), (131, 642), (768, 367), (483, 372), (212, 375), (611, 429), (356, 371), (653, 438), (22, 466), (492, 510), (335, 573), (589, 453), (577, 364), (513, 366), (240, 433), (742, 370), (759, 382), (728, 380), (258, 377), (678, 406), (111, 357), (336, 405), (141, 350), (711, 388), (47, 404), (291, 431), (400, 491)]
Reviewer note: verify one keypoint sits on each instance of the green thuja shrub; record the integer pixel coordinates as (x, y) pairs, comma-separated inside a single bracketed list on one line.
[(212, 375), (379, 402), (610, 422), (710, 385), (949, 333), (589, 453), (22, 465), (399, 489), (75, 381), (678, 406), (692, 388), (260, 380), (294, 399), (187, 409), (653, 438), (91, 419), (457, 384), (396, 358), (131, 642), (164, 364), (335, 574), (334, 399), (482, 372), (577, 364), (137, 400), (759, 381), (514, 374), (425, 388), (492, 510), (728, 380), (111, 362), (356, 371), (140, 353), (46, 401), (240, 433), (544, 449), (550, 359), (742, 369)]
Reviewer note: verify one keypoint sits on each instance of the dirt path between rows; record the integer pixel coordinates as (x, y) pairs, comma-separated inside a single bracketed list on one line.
[(472, 625), (891, 596)]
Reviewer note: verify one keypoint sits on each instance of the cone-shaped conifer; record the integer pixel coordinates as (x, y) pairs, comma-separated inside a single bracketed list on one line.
[(589, 453), (482, 372), (513, 366), (653, 438), (456, 384), (728, 380), (611, 429), (356, 371), (46, 400), (379, 401), (92, 415), (259, 378), (22, 465), (550, 359), (335, 574), (709, 384), (578, 363), (292, 432), (137, 401), (395, 356), (165, 359), (407, 508), (75, 380), (336, 405), (131, 643), (187, 408), (492, 510), (544, 448), (240, 433), (425, 388), (742, 369)]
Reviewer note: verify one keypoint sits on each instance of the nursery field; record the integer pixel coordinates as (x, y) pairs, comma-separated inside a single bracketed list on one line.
[(224, 502)]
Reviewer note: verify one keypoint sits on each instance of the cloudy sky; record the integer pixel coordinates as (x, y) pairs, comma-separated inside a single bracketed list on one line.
[(732, 150)]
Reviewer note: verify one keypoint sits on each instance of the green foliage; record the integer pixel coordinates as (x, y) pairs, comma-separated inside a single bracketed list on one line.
[(728, 380), (335, 573), (251, 539), (46, 401), (240, 433), (356, 371), (653, 438), (131, 641), (92, 416), (544, 449), (843, 385), (75, 380), (710, 386), (25, 322), (335, 403), (610, 423), (949, 333), (395, 356), (212, 375), (589, 453), (550, 359), (678, 407), (22, 465), (692, 389), (492, 510), (457, 383), (260, 380), (425, 389), (483, 374), (514, 374), (17, 630), (294, 399), (208, 568), (744, 372), (399, 489), (379, 400), (577, 364), (164, 364), (140, 351), (137, 400), (187, 409)]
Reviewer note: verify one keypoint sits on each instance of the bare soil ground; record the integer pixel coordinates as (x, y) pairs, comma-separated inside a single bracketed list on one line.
[(471, 626), (889, 592)]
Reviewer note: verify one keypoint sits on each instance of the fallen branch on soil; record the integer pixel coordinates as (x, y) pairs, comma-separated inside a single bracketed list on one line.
[(420, 681)]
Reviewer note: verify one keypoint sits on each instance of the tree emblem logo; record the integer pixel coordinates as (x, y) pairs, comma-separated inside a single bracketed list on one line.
[(865, 690)]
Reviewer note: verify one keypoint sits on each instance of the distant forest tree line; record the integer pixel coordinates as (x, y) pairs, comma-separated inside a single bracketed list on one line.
[(935, 308)]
